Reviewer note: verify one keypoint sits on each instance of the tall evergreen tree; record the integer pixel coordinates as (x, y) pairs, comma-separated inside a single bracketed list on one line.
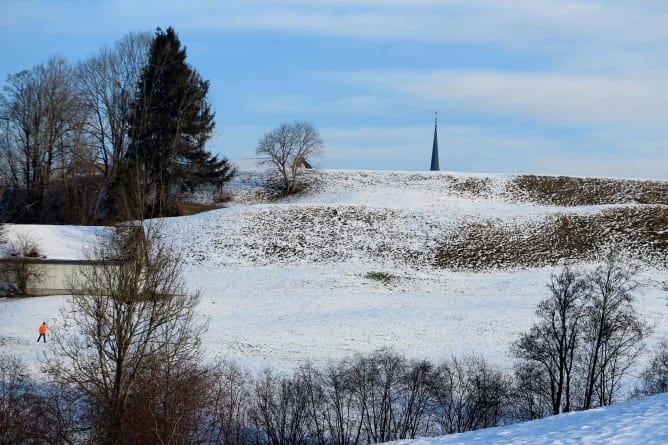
[(170, 123)]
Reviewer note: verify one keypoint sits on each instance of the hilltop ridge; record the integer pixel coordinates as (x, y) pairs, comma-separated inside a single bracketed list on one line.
[(438, 219)]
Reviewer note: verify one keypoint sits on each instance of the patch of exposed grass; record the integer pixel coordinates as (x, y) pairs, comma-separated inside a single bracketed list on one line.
[(274, 186), (641, 232), (192, 208), (471, 186), (574, 191), (382, 277)]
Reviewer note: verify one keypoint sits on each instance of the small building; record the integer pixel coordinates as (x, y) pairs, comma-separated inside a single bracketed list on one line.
[(86, 168), (38, 275), (301, 162), (54, 275)]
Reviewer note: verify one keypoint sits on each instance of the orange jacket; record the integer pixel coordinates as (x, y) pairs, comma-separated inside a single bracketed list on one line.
[(42, 329)]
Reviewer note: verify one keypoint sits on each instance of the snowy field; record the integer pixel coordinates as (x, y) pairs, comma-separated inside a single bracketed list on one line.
[(286, 281)]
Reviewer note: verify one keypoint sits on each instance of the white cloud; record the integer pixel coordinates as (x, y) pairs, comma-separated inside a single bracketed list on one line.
[(573, 33), (513, 23), (523, 23), (556, 99), (317, 105)]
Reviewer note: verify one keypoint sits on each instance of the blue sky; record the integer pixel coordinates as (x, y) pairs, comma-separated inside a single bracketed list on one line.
[(573, 87)]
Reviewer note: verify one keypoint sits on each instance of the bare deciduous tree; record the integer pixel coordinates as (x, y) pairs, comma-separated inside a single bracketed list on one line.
[(45, 115), (107, 82), (59, 123), (106, 86), (531, 392), (125, 321), (280, 413), (416, 399), (552, 342), (469, 396), (289, 145), (170, 405), (376, 381), (33, 411), (613, 331), (654, 379), (230, 392), (20, 269), (17, 394), (340, 409)]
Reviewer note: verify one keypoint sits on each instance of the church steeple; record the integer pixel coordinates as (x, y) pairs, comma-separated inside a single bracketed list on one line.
[(434, 150)]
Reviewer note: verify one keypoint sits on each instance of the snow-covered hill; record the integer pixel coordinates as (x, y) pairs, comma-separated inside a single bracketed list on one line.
[(432, 265), (454, 221), (369, 259)]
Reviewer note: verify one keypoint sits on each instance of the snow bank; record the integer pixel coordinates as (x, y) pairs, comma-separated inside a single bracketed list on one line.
[(639, 422)]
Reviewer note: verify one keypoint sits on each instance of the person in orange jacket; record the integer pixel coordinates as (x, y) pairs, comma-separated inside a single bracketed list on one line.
[(42, 332)]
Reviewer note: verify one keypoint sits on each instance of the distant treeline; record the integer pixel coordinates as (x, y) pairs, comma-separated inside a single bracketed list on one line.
[(118, 136)]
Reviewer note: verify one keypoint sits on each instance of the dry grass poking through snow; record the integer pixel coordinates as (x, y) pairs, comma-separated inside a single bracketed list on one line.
[(573, 191), (451, 221), (638, 232), (633, 221)]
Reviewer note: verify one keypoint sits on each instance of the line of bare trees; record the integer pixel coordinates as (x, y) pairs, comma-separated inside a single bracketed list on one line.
[(63, 127), (366, 399)]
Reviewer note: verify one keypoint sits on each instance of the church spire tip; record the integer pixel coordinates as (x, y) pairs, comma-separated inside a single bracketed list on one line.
[(434, 150)]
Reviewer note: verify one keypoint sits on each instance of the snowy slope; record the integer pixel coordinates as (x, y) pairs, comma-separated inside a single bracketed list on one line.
[(285, 281), (639, 422), (59, 242)]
